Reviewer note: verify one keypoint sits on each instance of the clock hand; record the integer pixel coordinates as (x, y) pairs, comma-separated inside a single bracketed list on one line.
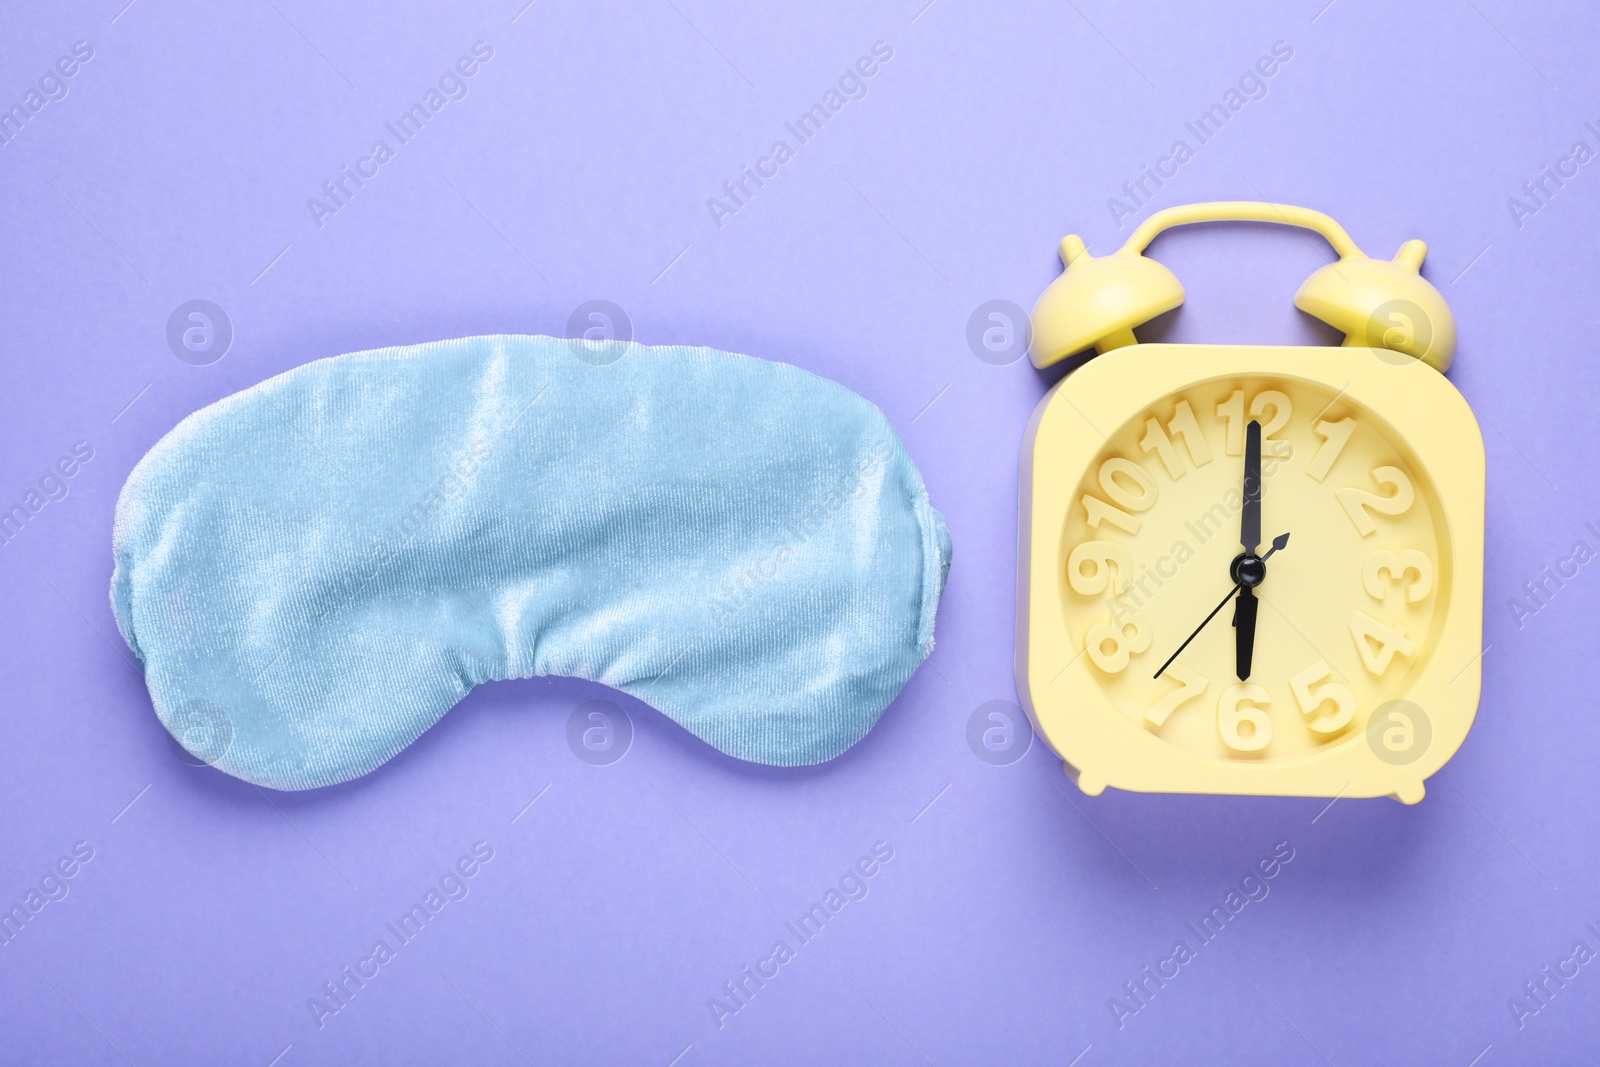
[(1197, 629), (1238, 583), (1249, 572), (1250, 524), (1244, 635), (1247, 569)]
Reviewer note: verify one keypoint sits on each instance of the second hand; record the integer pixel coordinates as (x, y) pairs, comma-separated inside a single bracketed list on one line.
[(1197, 630)]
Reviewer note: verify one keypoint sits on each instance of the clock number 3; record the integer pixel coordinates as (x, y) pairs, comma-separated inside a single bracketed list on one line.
[(1359, 503), (1410, 568)]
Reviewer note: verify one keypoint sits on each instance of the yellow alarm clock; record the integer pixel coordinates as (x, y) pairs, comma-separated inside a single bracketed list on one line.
[(1251, 569)]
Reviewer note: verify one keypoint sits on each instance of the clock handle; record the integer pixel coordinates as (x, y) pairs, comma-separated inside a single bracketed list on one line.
[(1245, 211), (1375, 303)]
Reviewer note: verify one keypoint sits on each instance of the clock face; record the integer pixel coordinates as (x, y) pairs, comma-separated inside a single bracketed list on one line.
[(1346, 609)]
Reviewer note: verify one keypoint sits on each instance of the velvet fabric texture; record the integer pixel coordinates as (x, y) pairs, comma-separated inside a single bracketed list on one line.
[(314, 570)]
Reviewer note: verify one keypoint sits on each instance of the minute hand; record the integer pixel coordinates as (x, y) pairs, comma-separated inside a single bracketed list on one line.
[(1250, 524)]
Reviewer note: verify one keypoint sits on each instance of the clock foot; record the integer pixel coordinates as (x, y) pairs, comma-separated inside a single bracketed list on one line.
[(1410, 793), (1090, 784)]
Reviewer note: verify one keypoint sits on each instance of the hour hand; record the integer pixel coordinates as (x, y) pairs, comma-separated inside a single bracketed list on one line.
[(1244, 621), (1249, 572)]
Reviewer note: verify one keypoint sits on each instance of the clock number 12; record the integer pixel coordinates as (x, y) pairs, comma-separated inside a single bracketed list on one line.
[(1233, 410)]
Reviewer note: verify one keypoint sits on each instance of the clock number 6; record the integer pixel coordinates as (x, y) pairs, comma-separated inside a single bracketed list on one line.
[(1242, 720)]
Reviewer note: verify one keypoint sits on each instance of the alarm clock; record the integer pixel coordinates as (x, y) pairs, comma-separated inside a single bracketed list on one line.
[(1250, 569)]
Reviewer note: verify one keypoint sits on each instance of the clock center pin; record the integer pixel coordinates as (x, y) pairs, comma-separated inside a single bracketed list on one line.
[(1248, 570)]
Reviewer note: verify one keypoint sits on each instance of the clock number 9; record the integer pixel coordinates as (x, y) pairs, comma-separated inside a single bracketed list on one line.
[(1397, 567), (1359, 502), (1109, 644), (1312, 698), (1096, 566), (1242, 706), (1278, 403)]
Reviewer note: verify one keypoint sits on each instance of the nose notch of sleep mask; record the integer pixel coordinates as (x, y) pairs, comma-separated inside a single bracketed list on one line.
[(314, 570)]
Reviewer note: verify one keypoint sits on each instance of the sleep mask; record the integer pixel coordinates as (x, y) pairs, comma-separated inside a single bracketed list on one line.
[(314, 570)]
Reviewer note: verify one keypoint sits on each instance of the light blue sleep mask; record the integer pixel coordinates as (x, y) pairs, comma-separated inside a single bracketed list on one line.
[(313, 571)]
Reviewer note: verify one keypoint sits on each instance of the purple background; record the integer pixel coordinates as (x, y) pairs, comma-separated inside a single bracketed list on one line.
[(578, 168)]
